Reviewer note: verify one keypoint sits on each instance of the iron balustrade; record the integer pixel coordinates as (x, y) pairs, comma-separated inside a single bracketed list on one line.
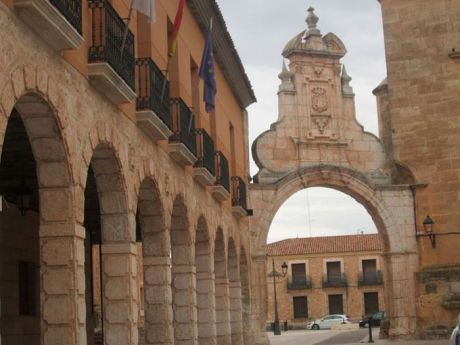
[(299, 283), (222, 174), (370, 278), (335, 280), (205, 151), (239, 192), (107, 37), (183, 122), (153, 90), (71, 10)]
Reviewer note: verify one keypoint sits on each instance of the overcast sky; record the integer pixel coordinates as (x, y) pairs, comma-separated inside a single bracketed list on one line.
[(260, 29)]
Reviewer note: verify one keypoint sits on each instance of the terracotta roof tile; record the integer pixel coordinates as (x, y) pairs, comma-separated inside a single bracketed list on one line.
[(323, 245)]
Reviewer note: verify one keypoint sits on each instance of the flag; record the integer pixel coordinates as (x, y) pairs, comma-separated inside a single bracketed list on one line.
[(175, 29), (146, 7), (207, 72)]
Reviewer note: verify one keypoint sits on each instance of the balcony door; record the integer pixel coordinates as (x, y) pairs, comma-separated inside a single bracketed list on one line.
[(333, 271), (298, 273), (369, 269)]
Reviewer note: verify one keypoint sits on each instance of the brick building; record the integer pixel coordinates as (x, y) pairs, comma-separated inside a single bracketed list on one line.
[(326, 275), (104, 148)]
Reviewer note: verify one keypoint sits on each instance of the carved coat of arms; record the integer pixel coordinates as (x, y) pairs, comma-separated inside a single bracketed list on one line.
[(319, 99)]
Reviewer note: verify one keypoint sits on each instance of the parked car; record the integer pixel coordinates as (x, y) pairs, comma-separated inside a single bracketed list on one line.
[(327, 321), (376, 318)]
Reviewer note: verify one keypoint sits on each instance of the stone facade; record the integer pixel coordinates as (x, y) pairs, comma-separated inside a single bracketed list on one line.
[(352, 287), (98, 177), (419, 110)]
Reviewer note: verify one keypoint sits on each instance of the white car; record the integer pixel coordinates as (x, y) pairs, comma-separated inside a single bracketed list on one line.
[(327, 321)]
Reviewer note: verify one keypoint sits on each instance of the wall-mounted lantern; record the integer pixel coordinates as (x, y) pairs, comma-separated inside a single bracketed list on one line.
[(428, 226), (23, 194)]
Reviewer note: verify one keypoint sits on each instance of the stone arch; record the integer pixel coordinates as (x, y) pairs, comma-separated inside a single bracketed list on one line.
[(245, 296), (391, 208), (156, 262), (110, 225), (183, 275), (236, 325), (60, 237), (205, 285), (221, 290)]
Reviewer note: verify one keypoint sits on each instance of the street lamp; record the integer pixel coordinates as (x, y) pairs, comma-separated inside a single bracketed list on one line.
[(275, 274)]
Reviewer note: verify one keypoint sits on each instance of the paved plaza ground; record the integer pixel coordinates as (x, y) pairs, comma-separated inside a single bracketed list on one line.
[(348, 337)]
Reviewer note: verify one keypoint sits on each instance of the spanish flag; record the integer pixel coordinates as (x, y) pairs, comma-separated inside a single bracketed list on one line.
[(175, 30)]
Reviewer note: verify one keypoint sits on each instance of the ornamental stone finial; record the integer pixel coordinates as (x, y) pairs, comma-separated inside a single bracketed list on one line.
[(347, 90), (312, 19), (286, 79), (285, 74)]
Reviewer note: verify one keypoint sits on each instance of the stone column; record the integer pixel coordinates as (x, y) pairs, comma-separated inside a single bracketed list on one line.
[(222, 312), (236, 313), (184, 303), (62, 272), (259, 299), (158, 301), (120, 308), (206, 308)]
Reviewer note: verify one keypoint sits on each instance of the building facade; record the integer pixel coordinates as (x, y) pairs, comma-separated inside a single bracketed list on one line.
[(106, 145), (326, 275)]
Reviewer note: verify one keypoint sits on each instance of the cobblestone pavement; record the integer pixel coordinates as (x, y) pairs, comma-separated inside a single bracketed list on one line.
[(349, 337)]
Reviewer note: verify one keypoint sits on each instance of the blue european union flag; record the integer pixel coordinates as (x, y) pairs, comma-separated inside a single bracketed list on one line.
[(207, 72)]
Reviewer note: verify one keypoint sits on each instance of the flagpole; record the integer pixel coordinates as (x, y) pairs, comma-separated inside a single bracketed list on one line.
[(125, 33)]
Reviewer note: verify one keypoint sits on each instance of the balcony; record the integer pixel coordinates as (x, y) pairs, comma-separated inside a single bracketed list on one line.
[(58, 22), (110, 71), (370, 278), (299, 283), (335, 280), (204, 168), (239, 207), (153, 112), (182, 143), (221, 188)]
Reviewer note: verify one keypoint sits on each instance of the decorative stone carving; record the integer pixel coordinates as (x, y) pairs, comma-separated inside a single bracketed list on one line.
[(319, 101), (318, 70), (321, 122)]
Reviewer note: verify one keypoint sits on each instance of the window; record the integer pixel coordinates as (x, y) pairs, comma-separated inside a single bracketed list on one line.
[(335, 304), (369, 269), (371, 302), (300, 307), (333, 271), (298, 273), (27, 282)]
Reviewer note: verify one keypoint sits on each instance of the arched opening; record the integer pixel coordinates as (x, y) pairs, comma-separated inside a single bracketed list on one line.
[(35, 209), (222, 291), (245, 297), (183, 275), (204, 285), (109, 252), (153, 240), (334, 258), (236, 325)]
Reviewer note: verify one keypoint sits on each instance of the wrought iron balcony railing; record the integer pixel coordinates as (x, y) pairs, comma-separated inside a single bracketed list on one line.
[(335, 280), (299, 283), (107, 36), (152, 90), (222, 174), (205, 151), (183, 122), (370, 278), (71, 10), (238, 192)]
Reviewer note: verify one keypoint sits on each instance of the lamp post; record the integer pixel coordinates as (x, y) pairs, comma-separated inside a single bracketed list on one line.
[(275, 274)]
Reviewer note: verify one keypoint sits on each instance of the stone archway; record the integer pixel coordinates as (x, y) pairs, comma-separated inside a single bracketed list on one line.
[(236, 325), (391, 209), (221, 290), (245, 296), (60, 239), (156, 249)]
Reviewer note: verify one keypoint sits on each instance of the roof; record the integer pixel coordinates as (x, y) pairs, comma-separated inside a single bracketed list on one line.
[(224, 50), (325, 245)]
